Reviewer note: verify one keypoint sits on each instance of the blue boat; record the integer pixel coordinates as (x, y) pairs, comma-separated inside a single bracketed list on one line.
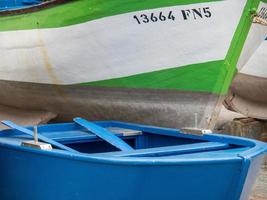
[(17, 4), (111, 160)]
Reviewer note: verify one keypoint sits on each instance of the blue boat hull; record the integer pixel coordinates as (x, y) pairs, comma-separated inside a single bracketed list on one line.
[(123, 161), (27, 175)]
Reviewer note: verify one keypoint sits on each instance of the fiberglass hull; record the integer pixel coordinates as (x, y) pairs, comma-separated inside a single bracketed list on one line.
[(195, 169), (31, 175)]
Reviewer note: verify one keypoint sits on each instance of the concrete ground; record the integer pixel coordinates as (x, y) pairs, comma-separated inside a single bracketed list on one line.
[(260, 187)]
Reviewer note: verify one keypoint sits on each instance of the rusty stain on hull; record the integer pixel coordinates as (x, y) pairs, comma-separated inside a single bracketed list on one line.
[(49, 68), (47, 64)]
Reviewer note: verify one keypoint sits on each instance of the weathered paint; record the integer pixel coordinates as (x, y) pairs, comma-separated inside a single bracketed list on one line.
[(101, 48)]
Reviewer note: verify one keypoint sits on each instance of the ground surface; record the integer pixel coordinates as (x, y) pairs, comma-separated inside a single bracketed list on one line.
[(260, 188)]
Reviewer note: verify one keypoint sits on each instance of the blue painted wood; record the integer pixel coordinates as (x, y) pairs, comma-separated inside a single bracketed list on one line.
[(40, 137), (104, 134), (17, 4), (51, 177), (73, 136), (210, 167), (173, 150), (30, 2)]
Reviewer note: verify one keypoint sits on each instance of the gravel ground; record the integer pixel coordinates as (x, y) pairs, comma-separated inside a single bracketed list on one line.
[(260, 188)]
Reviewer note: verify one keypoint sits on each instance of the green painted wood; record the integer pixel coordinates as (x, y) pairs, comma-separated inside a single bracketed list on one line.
[(80, 11), (238, 42), (214, 77), (205, 77)]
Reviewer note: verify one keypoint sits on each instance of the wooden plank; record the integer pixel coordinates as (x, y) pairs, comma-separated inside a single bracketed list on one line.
[(104, 134)]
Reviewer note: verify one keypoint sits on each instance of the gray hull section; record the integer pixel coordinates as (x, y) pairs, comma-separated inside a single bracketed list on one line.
[(248, 96), (156, 107)]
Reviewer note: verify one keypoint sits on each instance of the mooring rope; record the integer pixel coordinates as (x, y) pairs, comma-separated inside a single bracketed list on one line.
[(259, 20)]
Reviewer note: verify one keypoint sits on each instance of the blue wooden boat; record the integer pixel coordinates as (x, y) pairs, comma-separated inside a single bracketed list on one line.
[(122, 161)]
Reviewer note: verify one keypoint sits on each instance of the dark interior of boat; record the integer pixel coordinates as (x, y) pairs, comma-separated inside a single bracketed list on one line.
[(122, 139), (144, 141)]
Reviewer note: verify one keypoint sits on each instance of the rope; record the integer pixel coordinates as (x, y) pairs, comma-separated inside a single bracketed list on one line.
[(259, 20)]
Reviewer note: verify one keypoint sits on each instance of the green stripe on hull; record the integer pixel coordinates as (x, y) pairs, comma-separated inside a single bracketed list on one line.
[(204, 77), (80, 11), (238, 42), (214, 77)]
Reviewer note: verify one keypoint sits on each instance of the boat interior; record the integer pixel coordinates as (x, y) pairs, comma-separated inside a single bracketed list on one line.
[(121, 139)]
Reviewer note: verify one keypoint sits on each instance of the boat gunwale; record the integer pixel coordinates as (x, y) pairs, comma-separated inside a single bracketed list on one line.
[(256, 149), (31, 8)]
